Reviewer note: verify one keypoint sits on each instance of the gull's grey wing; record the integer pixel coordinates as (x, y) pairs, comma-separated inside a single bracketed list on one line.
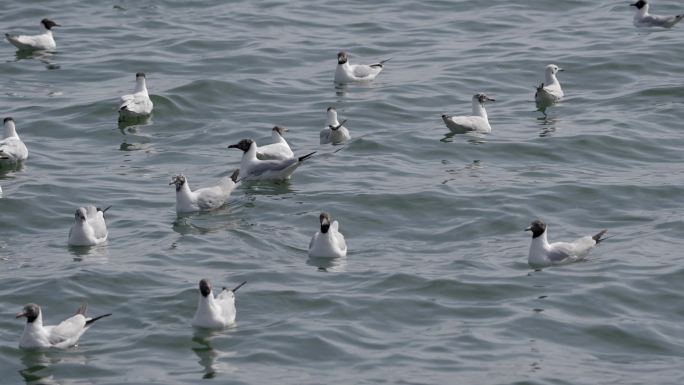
[(67, 329), (272, 166), (210, 198)]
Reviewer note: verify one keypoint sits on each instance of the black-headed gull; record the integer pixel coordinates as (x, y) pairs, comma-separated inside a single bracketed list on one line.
[(477, 122), (279, 149), (12, 149), (349, 73), (64, 335), (643, 19), (328, 242), (542, 253), (215, 313), (550, 91), (252, 168), (89, 228), (204, 199), (334, 131), (41, 42), (137, 104)]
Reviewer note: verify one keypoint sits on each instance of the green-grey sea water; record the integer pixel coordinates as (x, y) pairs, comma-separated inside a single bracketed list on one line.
[(436, 288)]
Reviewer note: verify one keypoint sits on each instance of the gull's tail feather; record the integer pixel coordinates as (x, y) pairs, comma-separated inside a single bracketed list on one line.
[(90, 321), (105, 209), (305, 157), (381, 63), (597, 238)]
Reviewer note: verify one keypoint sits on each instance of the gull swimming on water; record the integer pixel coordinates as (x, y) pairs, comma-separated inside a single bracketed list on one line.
[(478, 122), (328, 242), (542, 253), (41, 42), (252, 168), (12, 149), (334, 132), (64, 335), (349, 73), (550, 91), (203, 199), (89, 228), (215, 313), (643, 19), (279, 149), (137, 104)]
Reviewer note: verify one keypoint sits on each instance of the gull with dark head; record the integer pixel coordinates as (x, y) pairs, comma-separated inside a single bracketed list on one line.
[(215, 312), (138, 104), (542, 253), (350, 73), (549, 92), (253, 168), (334, 131), (12, 149), (89, 228), (41, 42), (204, 199), (477, 122), (328, 242), (63, 335), (279, 149), (643, 19)]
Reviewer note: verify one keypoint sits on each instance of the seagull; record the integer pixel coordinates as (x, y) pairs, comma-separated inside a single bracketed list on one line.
[(89, 227), (478, 122), (137, 104), (251, 168), (43, 41), (203, 199), (12, 149), (542, 253), (549, 92), (334, 132), (279, 149), (215, 313), (349, 73), (643, 19), (64, 335), (329, 242)]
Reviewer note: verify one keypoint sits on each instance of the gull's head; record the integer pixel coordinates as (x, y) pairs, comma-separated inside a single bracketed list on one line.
[(139, 75), (243, 145), (640, 4), (537, 227), (48, 24), (280, 130), (481, 98), (553, 69), (80, 215), (342, 57), (178, 180), (31, 311), (8, 121), (325, 222), (332, 115), (205, 287)]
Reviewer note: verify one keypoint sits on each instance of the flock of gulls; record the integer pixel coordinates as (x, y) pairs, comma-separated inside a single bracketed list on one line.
[(274, 161)]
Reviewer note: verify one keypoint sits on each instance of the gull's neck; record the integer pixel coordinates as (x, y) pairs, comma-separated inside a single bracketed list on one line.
[(551, 80), (184, 194), (539, 245), (479, 109), (251, 153), (44, 31), (277, 138), (332, 118), (643, 12), (37, 324), (207, 304), (140, 85), (10, 130)]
